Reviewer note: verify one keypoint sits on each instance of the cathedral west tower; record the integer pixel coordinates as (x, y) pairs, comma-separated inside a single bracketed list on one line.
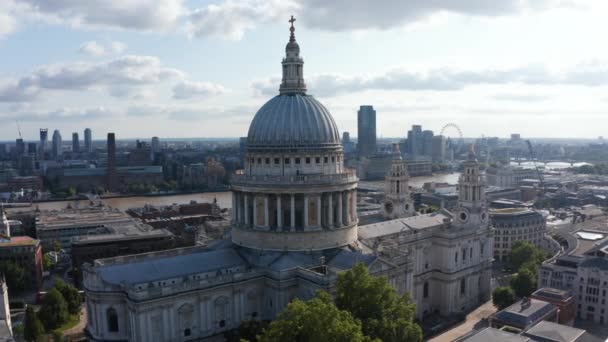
[(398, 201)]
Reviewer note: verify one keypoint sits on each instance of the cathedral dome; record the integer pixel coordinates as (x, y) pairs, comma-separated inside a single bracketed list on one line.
[(293, 120)]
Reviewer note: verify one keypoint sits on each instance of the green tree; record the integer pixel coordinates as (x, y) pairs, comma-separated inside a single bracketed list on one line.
[(383, 313), (502, 297), (57, 336), (17, 279), (70, 294), (54, 310), (315, 320), (524, 252), (47, 262), (249, 331), (524, 283), (33, 328), (56, 246), (71, 191)]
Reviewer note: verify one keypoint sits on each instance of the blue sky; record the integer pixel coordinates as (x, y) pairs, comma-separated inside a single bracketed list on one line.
[(174, 68)]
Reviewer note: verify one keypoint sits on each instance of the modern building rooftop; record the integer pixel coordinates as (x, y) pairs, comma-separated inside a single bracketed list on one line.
[(524, 312), (550, 292), (108, 219), (588, 240), (600, 263), (510, 211), (553, 332), (92, 225), (17, 241), (494, 335), (134, 234)]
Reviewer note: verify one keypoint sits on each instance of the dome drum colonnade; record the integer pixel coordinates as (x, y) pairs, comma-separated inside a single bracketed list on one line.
[(294, 192)]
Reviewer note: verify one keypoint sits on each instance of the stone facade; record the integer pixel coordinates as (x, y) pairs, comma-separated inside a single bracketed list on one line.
[(398, 201), (517, 224)]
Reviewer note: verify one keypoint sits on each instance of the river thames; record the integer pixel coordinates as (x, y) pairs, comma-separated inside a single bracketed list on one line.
[(224, 198)]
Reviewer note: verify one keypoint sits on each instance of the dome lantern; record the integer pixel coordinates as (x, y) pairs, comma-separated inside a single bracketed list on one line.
[(293, 66)]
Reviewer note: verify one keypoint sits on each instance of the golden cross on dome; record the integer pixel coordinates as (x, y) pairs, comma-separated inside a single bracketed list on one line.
[(292, 20)]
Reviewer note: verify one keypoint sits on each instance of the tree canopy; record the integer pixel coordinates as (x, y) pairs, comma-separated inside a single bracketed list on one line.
[(523, 252), (315, 320), (17, 279), (502, 297), (70, 294), (33, 328), (524, 283), (384, 314), (54, 310)]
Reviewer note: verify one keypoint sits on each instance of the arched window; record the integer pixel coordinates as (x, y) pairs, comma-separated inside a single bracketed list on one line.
[(112, 318)]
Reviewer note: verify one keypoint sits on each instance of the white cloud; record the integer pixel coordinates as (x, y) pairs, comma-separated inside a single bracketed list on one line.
[(231, 19), (344, 15), (8, 20), (92, 48), (594, 73), (67, 114), (127, 71), (187, 89), (146, 15), (118, 47), (98, 49)]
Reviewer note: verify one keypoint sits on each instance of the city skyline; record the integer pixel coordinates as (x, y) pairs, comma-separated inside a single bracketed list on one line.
[(178, 66)]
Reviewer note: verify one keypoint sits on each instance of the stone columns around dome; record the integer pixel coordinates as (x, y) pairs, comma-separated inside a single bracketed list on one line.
[(340, 195), (255, 211), (266, 212), (330, 213), (268, 219), (292, 213), (353, 209), (302, 212), (319, 223), (246, 208), (279, 214), (306, 216)]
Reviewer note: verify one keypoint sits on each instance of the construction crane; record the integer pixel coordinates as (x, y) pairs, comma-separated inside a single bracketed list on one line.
[(19, 129), (538, 173)]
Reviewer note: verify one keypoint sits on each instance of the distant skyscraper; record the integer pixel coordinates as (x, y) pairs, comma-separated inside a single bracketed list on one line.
[(32, 148), (75, 142), (44, 138), (366, 130), (155, 148), (57, 151), (20, 147), (438, 148), (111, 167), (427, 143), (415, 141), (242, 145), (88, 146), (345, 137), (349, 146)]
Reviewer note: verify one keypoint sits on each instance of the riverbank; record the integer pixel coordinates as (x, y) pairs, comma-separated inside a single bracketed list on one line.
[(224, 200), (130, 195)]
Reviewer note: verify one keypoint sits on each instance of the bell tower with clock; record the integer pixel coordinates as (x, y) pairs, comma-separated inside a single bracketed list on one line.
[(471, 210), (397, 202)]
